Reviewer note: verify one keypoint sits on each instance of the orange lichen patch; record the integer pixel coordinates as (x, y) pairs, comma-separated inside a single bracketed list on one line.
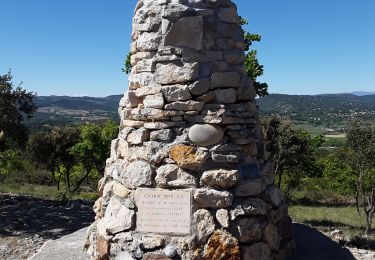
[(188, 157), (222, 246), (197, 254), (102, 248)]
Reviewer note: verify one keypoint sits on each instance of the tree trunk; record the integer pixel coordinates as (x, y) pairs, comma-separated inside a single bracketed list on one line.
[(368, 222), (357, 201), (67, 173), (278, 170), (279, 180), (79, 183), (57, 182)]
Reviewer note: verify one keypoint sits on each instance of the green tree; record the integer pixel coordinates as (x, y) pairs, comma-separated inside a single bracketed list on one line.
[(51, 150), (337, 172), (290, 150), (93, 148), (361, 141), (127, 64), (65, 138), (10, 160), (16, 104), (42, 151)]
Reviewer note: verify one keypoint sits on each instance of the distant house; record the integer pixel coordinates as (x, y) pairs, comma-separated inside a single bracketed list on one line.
[(329, 130)]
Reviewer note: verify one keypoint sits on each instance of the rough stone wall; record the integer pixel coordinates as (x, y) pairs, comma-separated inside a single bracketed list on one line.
[(189, 121)]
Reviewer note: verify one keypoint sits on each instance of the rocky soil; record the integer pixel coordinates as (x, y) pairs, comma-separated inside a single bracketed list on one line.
[(26, 223), (362, 254)]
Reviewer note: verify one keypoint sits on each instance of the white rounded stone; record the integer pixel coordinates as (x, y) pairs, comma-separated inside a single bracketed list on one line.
[(170, 250), (205, 135)]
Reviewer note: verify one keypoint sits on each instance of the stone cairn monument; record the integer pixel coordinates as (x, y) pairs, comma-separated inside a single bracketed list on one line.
[(187, 177)]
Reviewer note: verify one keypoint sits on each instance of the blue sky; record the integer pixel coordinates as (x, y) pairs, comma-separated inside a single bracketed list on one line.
[(77, 47)]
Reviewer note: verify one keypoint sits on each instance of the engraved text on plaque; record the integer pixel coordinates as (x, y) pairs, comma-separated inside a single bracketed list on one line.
[(163, 211)]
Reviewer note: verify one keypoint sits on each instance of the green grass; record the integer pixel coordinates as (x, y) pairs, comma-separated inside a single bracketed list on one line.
[(39, 191), (328, 218), (335, 216), (45, 192)]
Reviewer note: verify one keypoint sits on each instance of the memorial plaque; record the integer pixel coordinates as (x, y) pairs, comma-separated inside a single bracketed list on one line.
[(163, 211)]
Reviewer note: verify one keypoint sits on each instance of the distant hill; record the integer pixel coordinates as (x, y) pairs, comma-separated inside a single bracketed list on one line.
[(362, 93), (109, 103), (324, 111), (315, 113), (65, 110)]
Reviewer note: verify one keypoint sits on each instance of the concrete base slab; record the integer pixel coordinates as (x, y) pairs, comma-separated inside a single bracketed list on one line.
[(69, 247)]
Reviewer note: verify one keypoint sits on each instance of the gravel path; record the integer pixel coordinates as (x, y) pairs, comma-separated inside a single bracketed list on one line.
[(26, 223)]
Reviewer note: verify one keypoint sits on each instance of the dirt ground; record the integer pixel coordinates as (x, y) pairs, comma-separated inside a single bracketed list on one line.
[(314, 245), (26, 223)]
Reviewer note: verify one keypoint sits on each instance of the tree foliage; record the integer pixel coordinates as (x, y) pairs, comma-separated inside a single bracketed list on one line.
[(127, 64), (361, 142), (337, 172), (253, 68), (92, 150), (72, 154), (51, 151), (290, 150), (16, 104), (10, 160)]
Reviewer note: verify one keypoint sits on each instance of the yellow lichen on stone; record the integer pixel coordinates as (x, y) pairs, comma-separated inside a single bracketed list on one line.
[(222, 246), (188, 157)]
